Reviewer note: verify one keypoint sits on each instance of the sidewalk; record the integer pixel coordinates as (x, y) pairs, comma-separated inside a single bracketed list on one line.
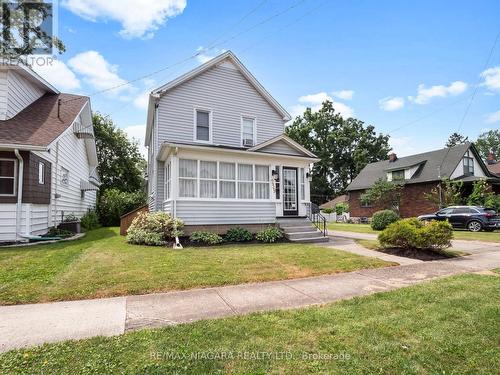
[(29, 325)]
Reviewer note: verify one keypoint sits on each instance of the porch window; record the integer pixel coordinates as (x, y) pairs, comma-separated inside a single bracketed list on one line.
[(248, 131), (7, 177), (208, 179), (168, 180), (261, 182), (202, 125), (245, 181), (227, 180), (468, 163), (302, 183), (188, 178)]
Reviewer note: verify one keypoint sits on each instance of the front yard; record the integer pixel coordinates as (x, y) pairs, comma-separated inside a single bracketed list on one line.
[(102, 264), (457, 234), (447, 326)]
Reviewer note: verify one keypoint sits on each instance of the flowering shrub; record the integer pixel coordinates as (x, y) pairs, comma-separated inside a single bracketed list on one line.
[(154, 229), (270, 234)]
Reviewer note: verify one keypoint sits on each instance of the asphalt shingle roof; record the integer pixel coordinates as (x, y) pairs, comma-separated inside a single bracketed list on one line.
[(429, 167)]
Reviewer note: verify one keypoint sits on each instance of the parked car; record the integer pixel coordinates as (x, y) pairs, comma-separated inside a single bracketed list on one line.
[(473, 218)]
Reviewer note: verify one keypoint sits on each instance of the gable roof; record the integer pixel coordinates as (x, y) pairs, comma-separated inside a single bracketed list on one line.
[(432, 166), (27, 72), (37, 125), (333, 203), (228, 55), (282, 139), (494, 168)]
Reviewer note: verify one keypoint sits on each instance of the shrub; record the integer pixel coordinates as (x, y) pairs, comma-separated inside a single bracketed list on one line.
[(207, 238), (56, 232), (328, 211), (238, 234), (70, 218), (414, 234), (341, 208), (381, 219), (114, 203), (90, 220), (154, 229), (270, 234)]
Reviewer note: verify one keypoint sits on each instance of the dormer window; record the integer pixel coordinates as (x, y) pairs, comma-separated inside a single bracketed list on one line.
[(248, 131), (398, 175), (468, 162)]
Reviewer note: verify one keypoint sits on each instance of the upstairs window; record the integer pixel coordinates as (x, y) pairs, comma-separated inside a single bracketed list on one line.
[(398, 175), (247, 131), (468, 163), (202, 123), (7, 177)]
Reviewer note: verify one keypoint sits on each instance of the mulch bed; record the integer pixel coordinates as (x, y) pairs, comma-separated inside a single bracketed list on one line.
[(425, 255)]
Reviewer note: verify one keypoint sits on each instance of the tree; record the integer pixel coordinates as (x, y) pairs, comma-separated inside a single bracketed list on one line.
[(446, 193), (456, 139), (488, 142), (483, 196), (344, 147), (121, 165), (386, 194)]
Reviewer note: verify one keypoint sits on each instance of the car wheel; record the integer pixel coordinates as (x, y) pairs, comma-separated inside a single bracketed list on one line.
[(474, 226)]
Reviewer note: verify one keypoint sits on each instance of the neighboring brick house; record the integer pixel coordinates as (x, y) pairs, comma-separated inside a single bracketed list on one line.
[(493, 164), (419, 174)]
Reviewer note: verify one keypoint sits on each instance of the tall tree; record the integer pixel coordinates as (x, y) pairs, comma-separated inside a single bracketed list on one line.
[(489, 142), (345, 146), (121, 165), (456, 139)]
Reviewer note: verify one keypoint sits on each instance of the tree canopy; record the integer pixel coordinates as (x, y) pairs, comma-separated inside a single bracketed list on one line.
[(489, 141), (121, 165), (345, 146), (456, 139)]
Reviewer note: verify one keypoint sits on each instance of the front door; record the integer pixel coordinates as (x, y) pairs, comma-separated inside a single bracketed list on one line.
[(290, 192)]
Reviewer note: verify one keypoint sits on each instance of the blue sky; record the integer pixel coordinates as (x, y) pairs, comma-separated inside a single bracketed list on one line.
[(392, 64)]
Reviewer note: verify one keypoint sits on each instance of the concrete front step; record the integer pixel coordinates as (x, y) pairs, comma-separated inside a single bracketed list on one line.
[(311, 240), (301, 230), (308, 228), (301, 235)]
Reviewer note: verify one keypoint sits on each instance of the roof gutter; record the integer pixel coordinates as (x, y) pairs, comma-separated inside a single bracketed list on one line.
[(19, 193)]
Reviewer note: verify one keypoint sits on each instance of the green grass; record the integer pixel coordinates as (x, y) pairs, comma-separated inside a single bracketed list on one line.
[(375, 245), (458, 234), (447, 326), (102, 264)]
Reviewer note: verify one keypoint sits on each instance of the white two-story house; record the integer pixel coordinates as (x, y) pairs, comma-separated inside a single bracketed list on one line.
[(218, 155), (48, 158)]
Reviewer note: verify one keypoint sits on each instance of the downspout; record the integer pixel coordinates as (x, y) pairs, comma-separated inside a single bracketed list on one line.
[(20, 178), (174, 168)]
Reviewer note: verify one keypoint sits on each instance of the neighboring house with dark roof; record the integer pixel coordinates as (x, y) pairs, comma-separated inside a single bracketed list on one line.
[(218, 155), (493, 164), (48, 158), (333, 203), (420, 173)]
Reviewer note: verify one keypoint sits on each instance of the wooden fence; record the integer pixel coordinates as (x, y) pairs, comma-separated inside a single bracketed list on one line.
[(126, 220)]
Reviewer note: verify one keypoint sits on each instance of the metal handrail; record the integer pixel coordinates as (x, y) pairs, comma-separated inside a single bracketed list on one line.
[(319, 221)]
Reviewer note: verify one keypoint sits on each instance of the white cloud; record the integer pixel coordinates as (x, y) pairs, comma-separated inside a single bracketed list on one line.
[(491, 78), (204, 56), (314, 101), (142, 100), (58, 74), (391, 103), (98, 72), (343, 94), (493, 117), (424, 95), (137, 133), (402, 146), (138, 18)]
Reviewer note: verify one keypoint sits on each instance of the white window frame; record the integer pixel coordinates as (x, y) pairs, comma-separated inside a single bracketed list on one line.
[(254, 130), (168, 181), (234, 181), (302, 184), (268, 182), (216, 179), (62, 176), (41, 173), (14, 178), (196, 179), (210, 127)]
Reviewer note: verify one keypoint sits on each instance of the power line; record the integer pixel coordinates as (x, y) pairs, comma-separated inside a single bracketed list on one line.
[(213, 46)]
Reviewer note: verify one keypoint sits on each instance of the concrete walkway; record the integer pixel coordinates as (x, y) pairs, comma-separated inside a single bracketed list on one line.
[(29, 325)]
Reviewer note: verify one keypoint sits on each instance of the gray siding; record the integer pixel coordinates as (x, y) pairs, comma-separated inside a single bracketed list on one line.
[(281, 148), (3, 94), (160, 187), (21, 93), (217, 212), (229, 95)]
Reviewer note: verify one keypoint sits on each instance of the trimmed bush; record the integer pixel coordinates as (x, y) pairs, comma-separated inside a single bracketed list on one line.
[(341, 208), (114, 203), (238, 234), (154, 229), (381, 219), (206, 238), (90, 220), (270, 234), (412, 234)]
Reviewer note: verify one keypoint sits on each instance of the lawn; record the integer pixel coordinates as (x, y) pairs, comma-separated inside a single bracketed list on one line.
[(102, 264), (447, 326), (457, 234)]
